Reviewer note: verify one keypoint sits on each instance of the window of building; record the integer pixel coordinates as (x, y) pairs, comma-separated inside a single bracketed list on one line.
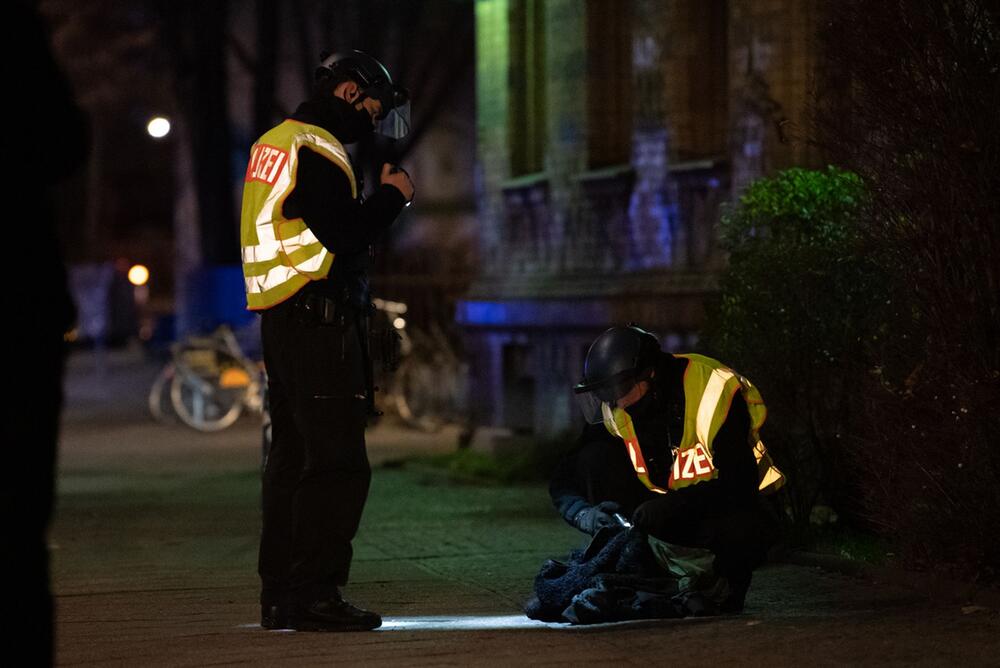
[(697, 87), (609, 82), (527, 87), (518, 389)]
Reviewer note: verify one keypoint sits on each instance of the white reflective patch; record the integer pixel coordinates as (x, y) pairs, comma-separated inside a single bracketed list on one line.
[(339, 152), (264, 225), (262, 252), (304, 238), (710, 401), (279, 274), (609, 418), (274, 277), (758, 451), (772, 476), (312, 264), (635, 461)]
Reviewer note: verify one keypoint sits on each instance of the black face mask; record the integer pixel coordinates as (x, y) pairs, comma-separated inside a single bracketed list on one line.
[(354, 124)]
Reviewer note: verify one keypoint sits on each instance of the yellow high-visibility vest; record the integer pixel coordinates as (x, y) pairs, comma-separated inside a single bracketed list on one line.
[(280, 256), (709, 388)]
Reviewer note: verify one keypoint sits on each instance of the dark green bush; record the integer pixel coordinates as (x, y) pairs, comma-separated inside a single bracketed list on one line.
[(798, 303)]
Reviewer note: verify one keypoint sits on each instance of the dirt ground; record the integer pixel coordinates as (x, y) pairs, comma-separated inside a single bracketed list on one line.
[(154, 550)]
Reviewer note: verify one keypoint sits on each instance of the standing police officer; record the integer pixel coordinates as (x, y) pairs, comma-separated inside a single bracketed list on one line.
[(672, 442), (305, 234)]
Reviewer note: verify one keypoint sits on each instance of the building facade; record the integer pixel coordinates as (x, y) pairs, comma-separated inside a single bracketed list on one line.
[(610, 133)]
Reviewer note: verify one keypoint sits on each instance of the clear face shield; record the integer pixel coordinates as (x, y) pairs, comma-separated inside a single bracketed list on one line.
[(597, 400), (592, 407), (395, 100)]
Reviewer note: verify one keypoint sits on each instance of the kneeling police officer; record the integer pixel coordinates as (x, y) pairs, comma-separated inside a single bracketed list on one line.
[(671, 442)]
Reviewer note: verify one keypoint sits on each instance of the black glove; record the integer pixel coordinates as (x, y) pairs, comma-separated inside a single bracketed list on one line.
[(593, 519)]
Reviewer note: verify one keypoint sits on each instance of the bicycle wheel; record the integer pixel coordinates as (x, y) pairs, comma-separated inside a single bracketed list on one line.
[(416, 396), (200, 404), (159, 396)]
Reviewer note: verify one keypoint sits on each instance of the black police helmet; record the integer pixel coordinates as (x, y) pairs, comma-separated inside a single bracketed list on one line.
[(370, 75), (616, 361)]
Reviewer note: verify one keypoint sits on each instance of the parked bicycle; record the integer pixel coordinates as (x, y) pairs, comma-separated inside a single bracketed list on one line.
[(208, 383), (427, 390)]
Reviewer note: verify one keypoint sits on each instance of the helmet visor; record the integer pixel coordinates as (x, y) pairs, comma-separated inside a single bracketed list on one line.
[(396, 123), (592, 407), (611, 389), (591, 397), (395, 100)]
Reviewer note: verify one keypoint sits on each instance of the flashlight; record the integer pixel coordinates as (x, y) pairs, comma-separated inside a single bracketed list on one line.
[(395, 169)]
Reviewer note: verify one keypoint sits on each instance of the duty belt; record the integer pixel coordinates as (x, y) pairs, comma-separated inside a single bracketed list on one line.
[(317, 309), (313, 308)]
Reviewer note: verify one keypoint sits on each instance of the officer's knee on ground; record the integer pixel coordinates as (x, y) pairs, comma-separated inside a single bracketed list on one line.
[(743, 537), (662, 518)]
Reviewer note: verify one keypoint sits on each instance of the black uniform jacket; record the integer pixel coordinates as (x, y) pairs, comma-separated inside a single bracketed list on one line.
[(659, 424)]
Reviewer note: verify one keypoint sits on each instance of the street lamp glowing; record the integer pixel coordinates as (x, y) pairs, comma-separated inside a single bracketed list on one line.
[(138, 275), (158, 127), (399, 323)]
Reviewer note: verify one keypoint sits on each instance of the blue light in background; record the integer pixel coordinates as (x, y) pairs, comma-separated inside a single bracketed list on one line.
[(532, 313), (483, 313)]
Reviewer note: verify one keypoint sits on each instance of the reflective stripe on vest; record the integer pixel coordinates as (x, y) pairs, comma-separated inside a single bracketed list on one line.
[(281, 255), (709, 388)]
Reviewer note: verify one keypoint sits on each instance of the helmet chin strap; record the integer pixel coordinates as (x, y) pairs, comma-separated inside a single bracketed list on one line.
[(360, 99)]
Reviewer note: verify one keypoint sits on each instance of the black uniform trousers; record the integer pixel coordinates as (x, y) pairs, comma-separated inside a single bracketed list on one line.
[(316, 476)]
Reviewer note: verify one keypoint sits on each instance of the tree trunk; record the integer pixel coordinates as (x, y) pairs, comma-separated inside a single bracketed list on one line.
[(209, 122), (264, 73)]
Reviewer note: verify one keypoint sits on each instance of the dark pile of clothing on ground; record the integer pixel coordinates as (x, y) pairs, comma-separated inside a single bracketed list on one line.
[(623, 574)]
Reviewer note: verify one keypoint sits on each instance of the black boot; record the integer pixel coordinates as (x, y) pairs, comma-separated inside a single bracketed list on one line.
[(275, 604), (739, 583), (274, 616), (333, 614)]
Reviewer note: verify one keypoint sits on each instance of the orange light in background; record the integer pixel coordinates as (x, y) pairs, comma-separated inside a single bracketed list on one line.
[(234, 377), (138, 274)]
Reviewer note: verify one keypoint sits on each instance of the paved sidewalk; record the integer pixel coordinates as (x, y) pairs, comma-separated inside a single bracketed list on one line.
[(154, 551)]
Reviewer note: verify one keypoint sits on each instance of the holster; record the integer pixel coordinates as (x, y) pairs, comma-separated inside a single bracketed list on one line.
[(387, 348), (321, 310), (381, 345)]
